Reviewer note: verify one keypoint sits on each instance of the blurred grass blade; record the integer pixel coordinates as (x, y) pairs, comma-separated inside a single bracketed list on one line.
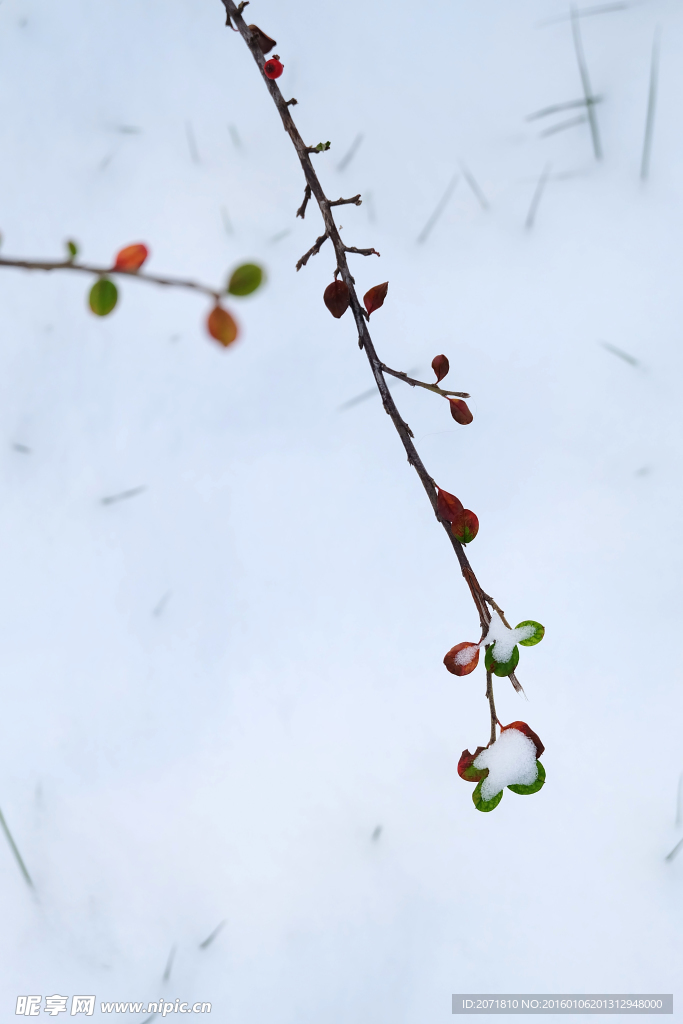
[(651, 109), (15, 851), (440, 207), (536, 199), (585, 82)]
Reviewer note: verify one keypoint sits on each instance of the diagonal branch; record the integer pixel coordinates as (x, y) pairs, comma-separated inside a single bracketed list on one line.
[(364, 340)]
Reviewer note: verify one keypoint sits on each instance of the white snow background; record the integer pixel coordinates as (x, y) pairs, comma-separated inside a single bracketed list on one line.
[(216, 692)]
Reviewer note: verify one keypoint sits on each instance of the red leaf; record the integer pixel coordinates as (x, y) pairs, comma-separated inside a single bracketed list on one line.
[(375, 297), (467, 771), (523, 727), (265, 43), (466, 527), (460, 411), (132, 257), (448, 506), (221, 326), (454, 666), (440, 366), (336, 298)]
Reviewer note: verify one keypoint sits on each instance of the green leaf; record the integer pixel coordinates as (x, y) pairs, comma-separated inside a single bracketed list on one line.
[(536, 636), (72, 249), (245, 280), (535, 786), (322, 147), (485, 805), (473, 774), (501, 668), (103, 296)]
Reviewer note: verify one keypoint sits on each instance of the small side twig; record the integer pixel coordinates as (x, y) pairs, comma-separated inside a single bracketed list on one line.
[(356, 200), (301, 212), (422, 384), (315, 248), (361, 252)]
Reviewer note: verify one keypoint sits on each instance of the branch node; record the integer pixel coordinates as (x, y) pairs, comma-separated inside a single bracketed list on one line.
[(291, 103)]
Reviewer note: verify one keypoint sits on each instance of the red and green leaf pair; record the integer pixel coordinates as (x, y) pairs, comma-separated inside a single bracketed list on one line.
[(464, 523), (220, 324), (336, 297), (104, 293), (468, 771)]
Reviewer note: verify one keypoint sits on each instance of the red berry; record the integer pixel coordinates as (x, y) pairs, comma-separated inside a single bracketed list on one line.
[(273, 68)]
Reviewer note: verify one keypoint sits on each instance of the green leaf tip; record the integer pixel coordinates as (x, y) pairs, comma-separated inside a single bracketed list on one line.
[(485, 805), (535, 786), (536, 636)]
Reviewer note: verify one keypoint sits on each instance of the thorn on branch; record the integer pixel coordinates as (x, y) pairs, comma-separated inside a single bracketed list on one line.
[(360, 252), (312, 251), (356, 200), (291, 103), (301, 212), (322, 147)]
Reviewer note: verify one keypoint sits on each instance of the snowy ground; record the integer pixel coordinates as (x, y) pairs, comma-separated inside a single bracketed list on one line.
[(215, 693)]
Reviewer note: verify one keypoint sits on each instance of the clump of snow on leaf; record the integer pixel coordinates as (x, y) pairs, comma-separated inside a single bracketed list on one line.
[(504, 638), (464, 657), (511, 761)]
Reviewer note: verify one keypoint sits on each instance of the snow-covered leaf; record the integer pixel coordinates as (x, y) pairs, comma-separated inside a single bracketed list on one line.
[(534, 787)]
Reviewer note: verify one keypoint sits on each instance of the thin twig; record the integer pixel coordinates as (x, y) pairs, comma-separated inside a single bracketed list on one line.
[(89, 268), (313, 251), (361, 252), (111, 499), (679, 802), (356, 200), (585, 82), (497, 608), (536, 199), (15, 851), (440, 207), (651, 108), (492, 705), (301, 212), (421, 384), (169, 964)]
